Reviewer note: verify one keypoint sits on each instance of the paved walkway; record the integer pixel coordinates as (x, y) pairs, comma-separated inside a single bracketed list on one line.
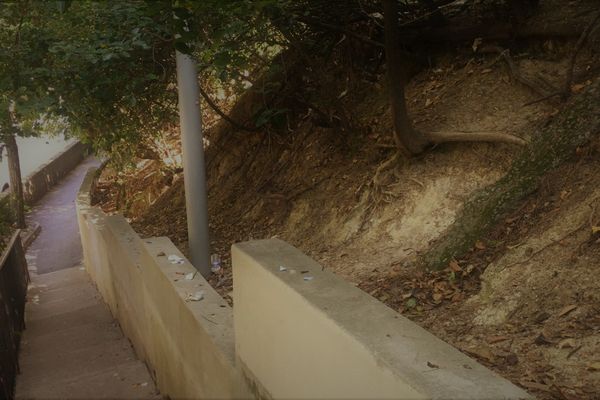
[(72, 348), (58, 246)]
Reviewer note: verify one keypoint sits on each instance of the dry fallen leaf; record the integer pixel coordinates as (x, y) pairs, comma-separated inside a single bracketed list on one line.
[(496, 339), (567, 343), (566, 393), (457, 296), (564, 194), (482, 353), (535, 385), (511, 359), (541, 317), (479, 245), (567, 309), (470, 268), (453, 265), (594, 366), (541, 339)]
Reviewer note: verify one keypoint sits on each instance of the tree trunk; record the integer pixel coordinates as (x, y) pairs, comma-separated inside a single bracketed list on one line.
[(16, 185), (408, 139), (557, 143), (520, 19), (405, 135)]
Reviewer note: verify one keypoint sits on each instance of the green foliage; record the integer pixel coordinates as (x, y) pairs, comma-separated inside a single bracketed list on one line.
[(6, 221), (230, 37), (113, 70), (274, 116), (108, 68), (23, 95), (113, 66)]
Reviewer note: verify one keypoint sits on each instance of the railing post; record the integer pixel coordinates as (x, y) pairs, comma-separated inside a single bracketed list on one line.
[(14, 277)]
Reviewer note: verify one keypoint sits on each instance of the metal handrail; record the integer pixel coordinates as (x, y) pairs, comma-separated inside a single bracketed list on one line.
[(14, 278)]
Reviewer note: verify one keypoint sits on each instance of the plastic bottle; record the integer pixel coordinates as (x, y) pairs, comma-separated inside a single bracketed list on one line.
[(215, 261)]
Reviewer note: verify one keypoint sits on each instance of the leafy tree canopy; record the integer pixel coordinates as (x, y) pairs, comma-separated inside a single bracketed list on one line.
[(112, 69), (23, 71), (109, 67)]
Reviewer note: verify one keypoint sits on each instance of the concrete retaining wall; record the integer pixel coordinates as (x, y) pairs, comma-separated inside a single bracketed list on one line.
[(188, 345), (39, 182), (300, 332), (303, 332)]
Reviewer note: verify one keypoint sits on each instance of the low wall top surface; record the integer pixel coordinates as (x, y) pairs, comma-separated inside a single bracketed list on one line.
[(84, 196), (175, 320), (303, 330)]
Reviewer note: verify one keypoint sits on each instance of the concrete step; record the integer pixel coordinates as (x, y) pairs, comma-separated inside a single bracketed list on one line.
[(72, 347), (123, 381), (86, 315)]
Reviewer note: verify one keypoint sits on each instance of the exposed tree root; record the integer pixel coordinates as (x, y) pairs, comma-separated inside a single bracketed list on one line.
[(557, 142), (547, 245), (444, 137), (379, 191), (537, 84), (529, 103), (580, 43), (407, 138), (377, 178)]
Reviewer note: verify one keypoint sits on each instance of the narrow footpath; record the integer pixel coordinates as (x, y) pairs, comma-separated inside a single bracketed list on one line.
[(72, 348)]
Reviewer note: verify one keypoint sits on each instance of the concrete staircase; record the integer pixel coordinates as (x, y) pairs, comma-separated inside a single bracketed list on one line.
[(72, 347)]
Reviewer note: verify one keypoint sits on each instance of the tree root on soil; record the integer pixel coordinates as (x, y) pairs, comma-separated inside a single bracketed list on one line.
[(444, 137), (556, 143)]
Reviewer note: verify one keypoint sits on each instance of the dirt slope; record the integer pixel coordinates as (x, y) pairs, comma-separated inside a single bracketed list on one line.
[(329, 190), (525, 300)]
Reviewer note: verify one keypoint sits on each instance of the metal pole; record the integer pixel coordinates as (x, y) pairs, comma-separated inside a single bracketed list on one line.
[(194, 173)]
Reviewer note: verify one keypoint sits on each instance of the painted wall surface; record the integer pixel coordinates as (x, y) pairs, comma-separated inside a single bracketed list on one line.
[(303, 332), (188, 345)]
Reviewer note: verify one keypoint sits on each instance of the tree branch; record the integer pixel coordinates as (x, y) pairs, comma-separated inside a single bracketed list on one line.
[(331, 27), (234, 123), (580, 43)]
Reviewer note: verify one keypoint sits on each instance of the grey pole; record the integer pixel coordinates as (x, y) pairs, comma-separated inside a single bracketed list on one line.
[(194, 173)]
